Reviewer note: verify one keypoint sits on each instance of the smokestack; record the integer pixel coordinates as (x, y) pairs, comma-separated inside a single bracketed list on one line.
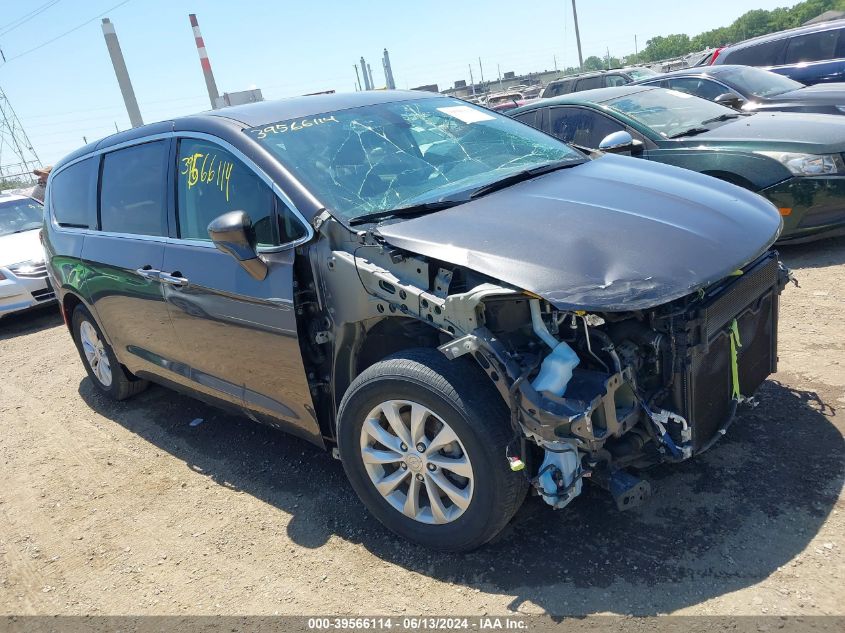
[(367, 83), (388, 72), (122, 74), (206, 65)]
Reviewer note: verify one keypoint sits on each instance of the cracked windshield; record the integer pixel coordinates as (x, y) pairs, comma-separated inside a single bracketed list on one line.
[(394, 155)]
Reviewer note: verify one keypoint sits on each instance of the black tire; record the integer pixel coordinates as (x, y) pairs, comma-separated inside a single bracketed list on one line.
[(464, 398), (123, 384)]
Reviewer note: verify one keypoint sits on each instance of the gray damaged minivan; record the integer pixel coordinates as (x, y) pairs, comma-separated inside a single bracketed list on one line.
[(462, 306)]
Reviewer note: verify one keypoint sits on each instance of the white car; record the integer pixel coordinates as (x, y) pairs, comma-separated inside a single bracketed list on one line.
[(23, 275)]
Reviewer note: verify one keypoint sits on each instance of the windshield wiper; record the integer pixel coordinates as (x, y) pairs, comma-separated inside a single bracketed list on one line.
[(690, 132), (414, 209), (519, 176), (724, 117)]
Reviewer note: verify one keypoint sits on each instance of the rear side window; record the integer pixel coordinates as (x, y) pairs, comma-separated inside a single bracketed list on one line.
[(557, 89), (812, 47), (212, 181), (588, 83), (703, 88), (616, 80), (581, 126), (132, 190), (762, 54), (72, 194)]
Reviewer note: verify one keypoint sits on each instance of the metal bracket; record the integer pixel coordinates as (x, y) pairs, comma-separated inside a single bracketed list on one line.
[(320, 219), (459, 346), (441, 283)]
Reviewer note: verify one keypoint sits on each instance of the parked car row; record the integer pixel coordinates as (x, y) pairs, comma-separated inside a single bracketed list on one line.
[(753, 89), (464, 307), (793, 160)]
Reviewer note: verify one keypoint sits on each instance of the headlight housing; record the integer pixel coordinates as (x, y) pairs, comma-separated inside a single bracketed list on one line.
[(28, 267), (809, 164)]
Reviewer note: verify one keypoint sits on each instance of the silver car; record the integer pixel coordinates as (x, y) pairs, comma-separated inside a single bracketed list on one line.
[(23, 275)]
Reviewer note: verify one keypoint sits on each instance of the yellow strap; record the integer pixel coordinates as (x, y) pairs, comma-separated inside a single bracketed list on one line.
[(735, 345)]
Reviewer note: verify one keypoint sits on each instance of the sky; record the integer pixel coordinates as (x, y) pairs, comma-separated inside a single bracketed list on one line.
[(65, 90)]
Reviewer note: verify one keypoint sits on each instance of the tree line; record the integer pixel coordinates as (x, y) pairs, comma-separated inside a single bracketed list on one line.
[(751, 24)]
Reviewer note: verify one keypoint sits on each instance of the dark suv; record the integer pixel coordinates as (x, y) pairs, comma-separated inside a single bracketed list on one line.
[(464, 307), (809, 54), (598, 79)]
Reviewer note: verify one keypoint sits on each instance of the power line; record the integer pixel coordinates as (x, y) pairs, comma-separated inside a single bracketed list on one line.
[(76, 28), (11, 26)]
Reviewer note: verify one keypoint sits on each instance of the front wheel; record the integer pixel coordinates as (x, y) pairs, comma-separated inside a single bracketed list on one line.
[(422, 440)]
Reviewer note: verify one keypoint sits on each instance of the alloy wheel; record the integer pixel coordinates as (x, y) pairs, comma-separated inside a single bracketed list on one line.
[(416, 462), (95, 353)]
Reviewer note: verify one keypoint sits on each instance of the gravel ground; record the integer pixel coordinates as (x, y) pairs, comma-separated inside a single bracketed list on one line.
[(128, 509)]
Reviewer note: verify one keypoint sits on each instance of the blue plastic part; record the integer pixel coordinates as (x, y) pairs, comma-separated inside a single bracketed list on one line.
[(556, 370)]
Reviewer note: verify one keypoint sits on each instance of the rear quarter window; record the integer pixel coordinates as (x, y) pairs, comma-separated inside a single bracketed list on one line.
[(762, 54), (588, 83), (529, 118), (812, 47), (71, 195)]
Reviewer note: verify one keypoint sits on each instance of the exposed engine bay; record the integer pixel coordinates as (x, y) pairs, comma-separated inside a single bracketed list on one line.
[(593, 395)]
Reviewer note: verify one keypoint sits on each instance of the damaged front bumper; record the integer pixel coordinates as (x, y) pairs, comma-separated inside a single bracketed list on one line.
[(652, 385), (717, 353)]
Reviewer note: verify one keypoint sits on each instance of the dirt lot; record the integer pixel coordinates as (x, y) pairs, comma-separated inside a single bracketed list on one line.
[(126, 508)]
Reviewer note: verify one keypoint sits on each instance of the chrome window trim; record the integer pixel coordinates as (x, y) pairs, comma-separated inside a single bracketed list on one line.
[(274, 187)]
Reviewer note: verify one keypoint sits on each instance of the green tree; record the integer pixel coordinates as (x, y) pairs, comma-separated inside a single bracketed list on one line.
[(661, 47), (593, 63), (750, 24)]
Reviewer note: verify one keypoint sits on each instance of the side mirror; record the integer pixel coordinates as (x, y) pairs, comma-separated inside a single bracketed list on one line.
[(731, 100), (620, 142), (233, 234)]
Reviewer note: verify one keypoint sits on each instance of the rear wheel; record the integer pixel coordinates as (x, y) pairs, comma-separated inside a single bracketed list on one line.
[(107, 374), (422, 440)]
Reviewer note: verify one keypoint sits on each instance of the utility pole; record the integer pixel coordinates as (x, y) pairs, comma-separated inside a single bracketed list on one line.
[(577, 36), (210, 83), (499, 70), (608, 58), (357, 78), (481, 69), (122, 74), (636, 51), (12, 136), (370, 73), (555, 58), (471, 80)]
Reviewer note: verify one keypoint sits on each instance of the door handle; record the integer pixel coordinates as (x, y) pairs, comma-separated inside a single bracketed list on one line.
[(147, 272), (173, 280)]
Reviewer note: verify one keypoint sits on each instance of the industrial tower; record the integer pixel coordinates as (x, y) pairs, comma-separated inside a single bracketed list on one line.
[(17, 156)]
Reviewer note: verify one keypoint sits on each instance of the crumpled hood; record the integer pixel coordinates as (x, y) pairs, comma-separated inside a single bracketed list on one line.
[(613, 234), (20, 247)]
